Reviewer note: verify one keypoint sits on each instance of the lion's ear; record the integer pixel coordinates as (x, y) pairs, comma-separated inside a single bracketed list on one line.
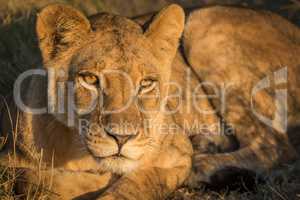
[(60, 27), (165, 31)]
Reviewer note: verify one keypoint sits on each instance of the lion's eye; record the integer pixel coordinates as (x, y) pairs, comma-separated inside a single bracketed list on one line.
[(147, 85), (89, 78)]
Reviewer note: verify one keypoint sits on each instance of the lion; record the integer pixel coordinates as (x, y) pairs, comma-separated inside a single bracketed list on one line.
[(114, 116)]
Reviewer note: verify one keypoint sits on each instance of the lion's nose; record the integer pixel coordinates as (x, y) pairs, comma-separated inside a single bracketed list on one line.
[(120, 139)]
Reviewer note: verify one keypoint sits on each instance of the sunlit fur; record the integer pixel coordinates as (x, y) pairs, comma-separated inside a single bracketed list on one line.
[(222, 45)]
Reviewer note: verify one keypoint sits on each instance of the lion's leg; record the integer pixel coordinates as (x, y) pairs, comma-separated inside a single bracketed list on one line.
[(214, 144), (62, 184), (151, 184), (206, 165), (258, 157)]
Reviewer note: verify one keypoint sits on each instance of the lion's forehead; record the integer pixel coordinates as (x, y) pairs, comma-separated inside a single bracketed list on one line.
[(115, 50), (106, 21)]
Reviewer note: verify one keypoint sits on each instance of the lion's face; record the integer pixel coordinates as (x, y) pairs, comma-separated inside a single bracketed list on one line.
[(119, 68), (115, 73)]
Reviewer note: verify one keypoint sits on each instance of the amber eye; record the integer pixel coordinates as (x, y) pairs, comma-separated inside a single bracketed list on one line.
[(147, 85), (89, 78)]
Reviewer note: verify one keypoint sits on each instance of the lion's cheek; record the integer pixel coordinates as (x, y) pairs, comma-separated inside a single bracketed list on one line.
[(133, 151)]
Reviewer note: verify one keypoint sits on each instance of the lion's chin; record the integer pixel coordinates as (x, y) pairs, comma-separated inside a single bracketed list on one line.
[(118, 164)]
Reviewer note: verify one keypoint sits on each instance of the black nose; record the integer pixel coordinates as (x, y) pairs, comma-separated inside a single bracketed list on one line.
[(120, 139)]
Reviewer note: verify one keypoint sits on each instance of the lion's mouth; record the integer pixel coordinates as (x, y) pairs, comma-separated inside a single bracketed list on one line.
[(115, 157), (118, 164), (114, 146)]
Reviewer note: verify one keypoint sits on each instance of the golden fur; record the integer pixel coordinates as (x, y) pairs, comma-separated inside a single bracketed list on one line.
[(220, 44)]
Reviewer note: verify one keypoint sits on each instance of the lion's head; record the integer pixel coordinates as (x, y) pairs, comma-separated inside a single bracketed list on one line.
[(116, 72)]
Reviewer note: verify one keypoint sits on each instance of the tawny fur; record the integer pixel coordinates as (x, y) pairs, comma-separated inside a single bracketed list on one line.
[(220, 44)]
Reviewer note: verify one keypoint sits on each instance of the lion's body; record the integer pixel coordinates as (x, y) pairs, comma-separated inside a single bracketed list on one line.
[(231, 48)]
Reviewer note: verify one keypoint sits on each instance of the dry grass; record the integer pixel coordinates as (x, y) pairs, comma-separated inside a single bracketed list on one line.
[(8, 177), (12, 180), (19, 51), (12, 177)]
